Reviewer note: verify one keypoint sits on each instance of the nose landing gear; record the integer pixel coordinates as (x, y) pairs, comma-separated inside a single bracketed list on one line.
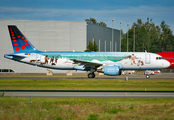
[(147, 76)]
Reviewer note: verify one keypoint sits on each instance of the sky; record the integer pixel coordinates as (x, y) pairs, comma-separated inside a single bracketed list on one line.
[(127, 11)]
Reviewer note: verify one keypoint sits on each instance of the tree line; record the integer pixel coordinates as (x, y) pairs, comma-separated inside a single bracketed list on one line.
[(148, 37)]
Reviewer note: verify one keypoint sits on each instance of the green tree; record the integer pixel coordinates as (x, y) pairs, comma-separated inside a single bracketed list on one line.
[(130, 39), (148, 26), (92, 46), (166, 37), (142, 38), (91, 20), (94, 21), (95, 46), (139, 23), (155, 42), (89, 47), (102, 24)]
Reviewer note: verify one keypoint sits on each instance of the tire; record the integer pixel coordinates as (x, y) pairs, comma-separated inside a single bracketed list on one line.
[(91, 75), (147, 76)]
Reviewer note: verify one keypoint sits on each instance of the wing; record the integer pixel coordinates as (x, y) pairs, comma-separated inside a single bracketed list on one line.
[(87, 63)]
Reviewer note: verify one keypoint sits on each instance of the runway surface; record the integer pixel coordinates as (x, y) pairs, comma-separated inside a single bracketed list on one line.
[(91, 94)]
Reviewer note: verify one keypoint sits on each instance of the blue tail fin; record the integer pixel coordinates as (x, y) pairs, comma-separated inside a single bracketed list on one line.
[(19, 42)]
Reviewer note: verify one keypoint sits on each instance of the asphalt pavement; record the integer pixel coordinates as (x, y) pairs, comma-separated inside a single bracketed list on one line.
[(91, 94)]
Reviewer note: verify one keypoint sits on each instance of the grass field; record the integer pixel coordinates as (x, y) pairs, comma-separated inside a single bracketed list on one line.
[(20, 108), (136, 83), (16, 108)]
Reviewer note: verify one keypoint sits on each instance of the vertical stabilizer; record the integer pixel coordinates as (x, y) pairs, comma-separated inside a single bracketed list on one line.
[(19, 42)]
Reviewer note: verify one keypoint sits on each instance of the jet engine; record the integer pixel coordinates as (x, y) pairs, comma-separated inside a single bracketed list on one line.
[(112, 70)]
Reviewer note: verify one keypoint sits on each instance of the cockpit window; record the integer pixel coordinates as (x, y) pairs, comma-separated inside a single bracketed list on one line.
[(159, 58)]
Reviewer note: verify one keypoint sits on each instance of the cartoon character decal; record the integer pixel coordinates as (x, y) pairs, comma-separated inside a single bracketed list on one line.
[(132, 60), (54, 60)]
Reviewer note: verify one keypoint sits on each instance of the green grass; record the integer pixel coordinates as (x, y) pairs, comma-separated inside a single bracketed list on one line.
[(136, 83), (14, 108), (20, 108)]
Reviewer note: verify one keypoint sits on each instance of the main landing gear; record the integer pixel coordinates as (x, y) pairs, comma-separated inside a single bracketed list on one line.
[(91, 75)]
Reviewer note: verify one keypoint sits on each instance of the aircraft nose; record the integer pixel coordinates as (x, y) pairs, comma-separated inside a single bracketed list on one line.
[(166, 64)]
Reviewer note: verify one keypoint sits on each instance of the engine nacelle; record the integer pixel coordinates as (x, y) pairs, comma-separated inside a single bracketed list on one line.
[(112, 70)]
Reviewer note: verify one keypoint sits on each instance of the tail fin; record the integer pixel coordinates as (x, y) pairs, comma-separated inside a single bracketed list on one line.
[(19, 42)]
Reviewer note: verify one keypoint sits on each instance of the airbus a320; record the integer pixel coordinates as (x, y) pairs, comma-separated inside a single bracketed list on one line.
[(109, 63)]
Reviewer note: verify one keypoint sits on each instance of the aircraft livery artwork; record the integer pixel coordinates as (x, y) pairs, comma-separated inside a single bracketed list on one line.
[(109, 63)]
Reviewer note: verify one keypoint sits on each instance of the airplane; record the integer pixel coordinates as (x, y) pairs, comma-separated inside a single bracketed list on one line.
[(109, 63)]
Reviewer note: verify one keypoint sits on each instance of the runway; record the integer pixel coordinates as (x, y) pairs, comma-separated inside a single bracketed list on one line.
[(91, 94)]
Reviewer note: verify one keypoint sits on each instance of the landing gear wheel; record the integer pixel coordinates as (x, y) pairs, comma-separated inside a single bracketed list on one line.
[(91, 75), (147, 76)]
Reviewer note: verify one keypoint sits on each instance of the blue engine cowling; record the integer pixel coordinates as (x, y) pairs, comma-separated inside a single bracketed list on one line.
[(112, 70)]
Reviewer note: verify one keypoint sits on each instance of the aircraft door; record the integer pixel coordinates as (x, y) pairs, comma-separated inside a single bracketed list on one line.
[(147, 58), (38, 58)]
